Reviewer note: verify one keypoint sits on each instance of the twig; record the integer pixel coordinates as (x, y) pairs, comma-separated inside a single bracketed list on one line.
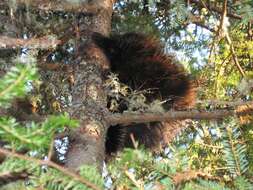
[(216, 9), (204, 5), (229, 39), (233, 151), (222, 32), (51, 150), (178, 178), (234, 55), (137, 183), (51, 164), (220, 29), (197, 20)]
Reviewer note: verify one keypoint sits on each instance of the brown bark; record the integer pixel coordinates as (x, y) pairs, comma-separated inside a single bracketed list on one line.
[(238, 108), (59, 5), (128, 118), (46, 42), (89, 99)]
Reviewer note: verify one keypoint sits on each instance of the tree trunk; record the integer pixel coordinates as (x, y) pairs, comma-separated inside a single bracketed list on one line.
[(89, 98)]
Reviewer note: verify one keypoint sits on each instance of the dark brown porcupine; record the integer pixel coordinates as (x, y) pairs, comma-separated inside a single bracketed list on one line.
[(141, 64)]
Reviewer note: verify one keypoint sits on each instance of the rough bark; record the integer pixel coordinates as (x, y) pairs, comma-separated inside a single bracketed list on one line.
[(89, 99), (88, 103)]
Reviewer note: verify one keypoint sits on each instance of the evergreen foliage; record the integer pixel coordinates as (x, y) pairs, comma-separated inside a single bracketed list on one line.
[(35, 140), (13, 83), (234, 151)]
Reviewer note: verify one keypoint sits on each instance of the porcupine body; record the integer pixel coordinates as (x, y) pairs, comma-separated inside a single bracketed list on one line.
[(141, 64)]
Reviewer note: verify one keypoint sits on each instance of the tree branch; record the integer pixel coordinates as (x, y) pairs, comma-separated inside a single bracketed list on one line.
[(232, 49), (135, 117), (50, 164), (224, 29), (212, 7), (185, 176), (127, 118), (63, 5), (46, 42), (198, 21)]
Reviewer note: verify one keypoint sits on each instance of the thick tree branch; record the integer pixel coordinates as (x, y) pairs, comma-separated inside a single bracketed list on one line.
[(135, 117), (46, 42), (127, 118), (63, 5)]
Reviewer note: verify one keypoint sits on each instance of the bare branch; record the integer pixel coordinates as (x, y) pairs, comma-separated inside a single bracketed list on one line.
[(135, 117), (127, 118), (46, 42)]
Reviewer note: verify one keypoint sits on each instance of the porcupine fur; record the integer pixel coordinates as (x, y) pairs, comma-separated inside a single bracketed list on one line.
[(140, 62)]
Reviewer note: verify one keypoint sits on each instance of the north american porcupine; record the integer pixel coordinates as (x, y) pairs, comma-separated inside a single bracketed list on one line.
[(140, 63)]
